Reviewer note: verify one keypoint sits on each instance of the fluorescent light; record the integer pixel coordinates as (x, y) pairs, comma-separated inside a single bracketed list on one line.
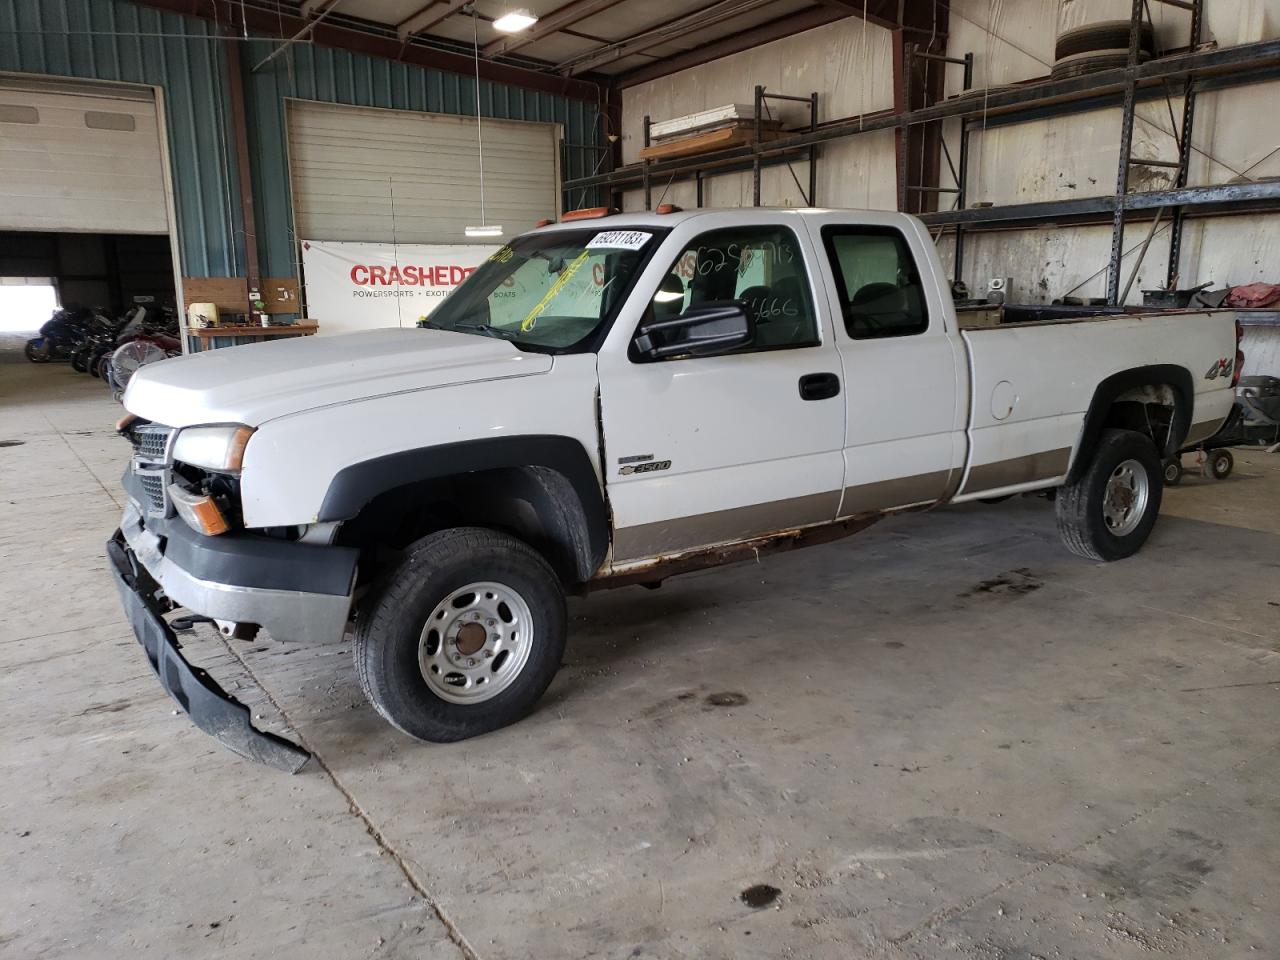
[(492, 230), (668, 296), (515, 21)]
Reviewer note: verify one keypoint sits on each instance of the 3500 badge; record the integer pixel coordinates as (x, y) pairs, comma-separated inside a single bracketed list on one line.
[(653, 466)]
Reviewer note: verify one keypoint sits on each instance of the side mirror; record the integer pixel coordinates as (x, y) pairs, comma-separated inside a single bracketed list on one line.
[(701, 331)]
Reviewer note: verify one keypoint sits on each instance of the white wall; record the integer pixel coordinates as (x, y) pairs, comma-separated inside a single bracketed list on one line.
[(849, 64)]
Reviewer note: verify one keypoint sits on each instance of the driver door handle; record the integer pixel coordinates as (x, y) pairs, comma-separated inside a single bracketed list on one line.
[(819, 386)]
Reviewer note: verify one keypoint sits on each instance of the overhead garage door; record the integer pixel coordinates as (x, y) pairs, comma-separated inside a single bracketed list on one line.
[(362, 173), (79, 162)]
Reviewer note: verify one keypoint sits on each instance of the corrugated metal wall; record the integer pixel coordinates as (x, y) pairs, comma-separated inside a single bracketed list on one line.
[(341, 76), (120, 41), (110, 40)]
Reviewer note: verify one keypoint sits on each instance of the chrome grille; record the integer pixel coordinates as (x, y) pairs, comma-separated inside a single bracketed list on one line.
[(153, 442), (151, 466), (153, 487)]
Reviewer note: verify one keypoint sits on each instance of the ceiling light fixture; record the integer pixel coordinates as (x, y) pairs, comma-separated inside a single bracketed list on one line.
[(488, 230), (515, 21)]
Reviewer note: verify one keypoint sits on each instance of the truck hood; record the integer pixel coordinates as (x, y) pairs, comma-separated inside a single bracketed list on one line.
[(259, 382)]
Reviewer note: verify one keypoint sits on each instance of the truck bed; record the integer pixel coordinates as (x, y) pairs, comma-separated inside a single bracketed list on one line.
[(984, 317), (1031, 381)]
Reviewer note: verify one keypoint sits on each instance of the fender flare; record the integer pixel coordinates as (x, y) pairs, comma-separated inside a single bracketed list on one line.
[(1105, 394), (356, 485)]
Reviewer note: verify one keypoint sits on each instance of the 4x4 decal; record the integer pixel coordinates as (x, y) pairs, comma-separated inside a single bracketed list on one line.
[(1220, 368)]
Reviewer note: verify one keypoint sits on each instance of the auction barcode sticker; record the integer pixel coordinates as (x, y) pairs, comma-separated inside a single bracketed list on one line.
[(619, 240)]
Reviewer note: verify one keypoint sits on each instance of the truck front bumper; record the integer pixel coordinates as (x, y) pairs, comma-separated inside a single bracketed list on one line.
[(294, 590)]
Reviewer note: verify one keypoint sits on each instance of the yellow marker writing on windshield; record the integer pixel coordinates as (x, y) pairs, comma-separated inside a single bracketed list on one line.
[(527, 323)]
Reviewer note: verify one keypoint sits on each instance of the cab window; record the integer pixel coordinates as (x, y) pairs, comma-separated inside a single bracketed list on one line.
[(877, 283), (761, 267)]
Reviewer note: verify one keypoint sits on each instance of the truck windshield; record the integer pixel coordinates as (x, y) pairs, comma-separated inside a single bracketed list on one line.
[(550, 291)]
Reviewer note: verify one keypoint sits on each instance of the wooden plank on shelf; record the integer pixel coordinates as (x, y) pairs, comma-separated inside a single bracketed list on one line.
[(706, 143), (245, 330)]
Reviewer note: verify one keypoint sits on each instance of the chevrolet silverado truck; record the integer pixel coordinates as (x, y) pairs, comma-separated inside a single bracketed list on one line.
[(610, 400)]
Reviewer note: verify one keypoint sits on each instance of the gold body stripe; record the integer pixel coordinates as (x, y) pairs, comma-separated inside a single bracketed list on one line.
[(1028, 469)]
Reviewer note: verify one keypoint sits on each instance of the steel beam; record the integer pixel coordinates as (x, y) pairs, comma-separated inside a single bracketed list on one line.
[(240, 134), (914, 15), (1125, 162), (271, 25), (427, 17), (661, 33), (1174, 264), (1221, 196), (557, 19), (787, 26)]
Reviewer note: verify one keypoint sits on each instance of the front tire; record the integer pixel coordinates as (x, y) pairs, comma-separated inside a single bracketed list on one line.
[(1108, 512), (463, 637)]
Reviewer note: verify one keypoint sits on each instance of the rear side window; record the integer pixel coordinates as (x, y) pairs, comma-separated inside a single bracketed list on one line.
[(877, 282)]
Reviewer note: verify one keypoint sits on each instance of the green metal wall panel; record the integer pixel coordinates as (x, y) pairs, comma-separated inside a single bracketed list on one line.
[(112, 40), (121, 41)]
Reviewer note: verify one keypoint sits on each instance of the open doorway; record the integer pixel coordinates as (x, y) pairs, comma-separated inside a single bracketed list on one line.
[(25, 304), (110, 273)]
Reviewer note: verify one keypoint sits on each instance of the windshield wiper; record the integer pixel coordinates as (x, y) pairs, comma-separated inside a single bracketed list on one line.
[(487, 329)]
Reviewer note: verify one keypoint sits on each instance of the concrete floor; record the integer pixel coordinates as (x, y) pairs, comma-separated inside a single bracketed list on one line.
[(945, 738)]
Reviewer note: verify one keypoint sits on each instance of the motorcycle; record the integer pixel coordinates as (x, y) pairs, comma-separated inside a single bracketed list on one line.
[(84, 357), (61, 334)]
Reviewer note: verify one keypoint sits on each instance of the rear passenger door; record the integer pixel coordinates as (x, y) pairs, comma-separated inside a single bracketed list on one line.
[(706, 450), (905, 373)]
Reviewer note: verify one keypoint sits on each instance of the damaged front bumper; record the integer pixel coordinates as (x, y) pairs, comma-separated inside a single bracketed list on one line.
[(295, 591), (209, 706)]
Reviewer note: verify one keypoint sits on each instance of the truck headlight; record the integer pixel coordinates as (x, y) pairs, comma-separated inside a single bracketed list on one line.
[(220, 449)]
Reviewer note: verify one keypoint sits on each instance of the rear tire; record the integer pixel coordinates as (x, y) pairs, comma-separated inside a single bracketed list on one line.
[(1108, 512), (1172, 472), (418, 664)]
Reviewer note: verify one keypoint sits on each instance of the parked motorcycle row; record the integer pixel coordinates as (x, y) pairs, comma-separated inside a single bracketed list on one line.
[(111, 350)]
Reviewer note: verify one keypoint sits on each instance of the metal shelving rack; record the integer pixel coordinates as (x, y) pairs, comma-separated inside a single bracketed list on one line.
[(699, 167), (1128, 161), (1198, 70)]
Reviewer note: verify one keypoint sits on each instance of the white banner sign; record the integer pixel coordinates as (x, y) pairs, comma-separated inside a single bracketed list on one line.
[(362, 286)]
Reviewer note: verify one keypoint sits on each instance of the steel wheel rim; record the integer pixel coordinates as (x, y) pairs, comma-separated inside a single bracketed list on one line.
[(461, 665), (1124, 502)]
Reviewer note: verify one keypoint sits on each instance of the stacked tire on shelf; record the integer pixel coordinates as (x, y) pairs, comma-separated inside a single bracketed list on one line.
[(1099, 46)]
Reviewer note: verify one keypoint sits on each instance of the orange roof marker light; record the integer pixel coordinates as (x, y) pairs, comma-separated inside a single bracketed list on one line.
[(665, 208), (586, 213), (544, 222)]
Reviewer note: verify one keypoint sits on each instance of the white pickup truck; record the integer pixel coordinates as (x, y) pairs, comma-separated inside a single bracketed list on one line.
[(611, 400)]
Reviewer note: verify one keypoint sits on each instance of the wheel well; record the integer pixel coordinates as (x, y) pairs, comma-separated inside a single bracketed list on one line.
[(1148, 410), (537, 504), (1154, 401)]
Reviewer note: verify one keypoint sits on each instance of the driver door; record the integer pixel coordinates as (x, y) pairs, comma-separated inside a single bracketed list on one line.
[(715, 449)]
